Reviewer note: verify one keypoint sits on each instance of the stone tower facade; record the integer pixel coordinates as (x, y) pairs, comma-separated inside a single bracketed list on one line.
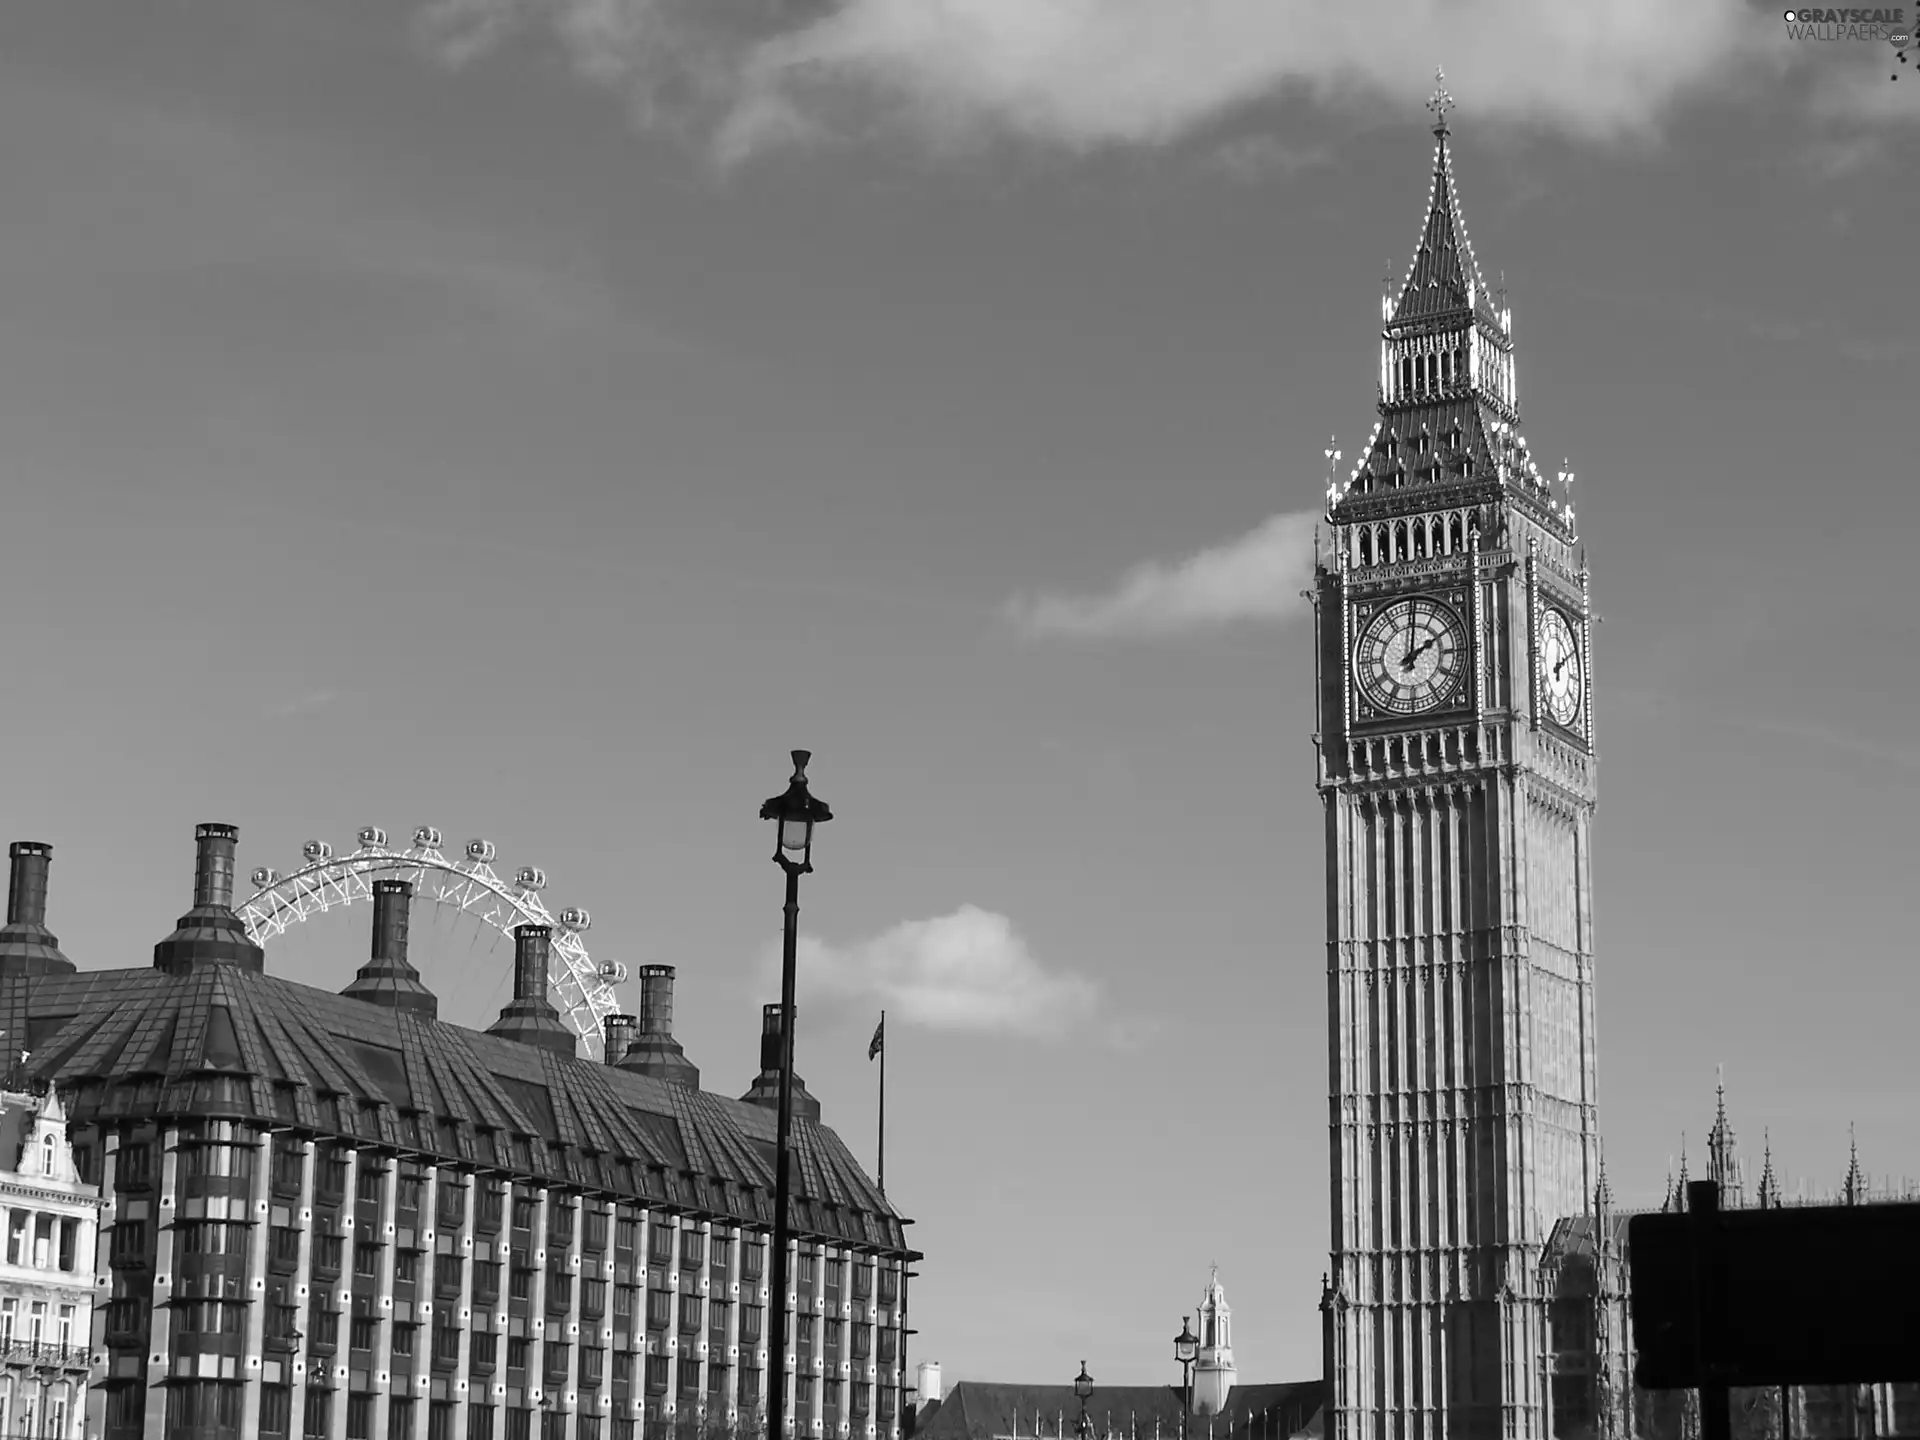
[(1213, 1371), (1456, 767)]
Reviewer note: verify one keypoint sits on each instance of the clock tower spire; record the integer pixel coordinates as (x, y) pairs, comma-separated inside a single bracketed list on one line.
[(1457, 773)]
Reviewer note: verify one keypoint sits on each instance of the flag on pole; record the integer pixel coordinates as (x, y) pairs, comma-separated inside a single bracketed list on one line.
[(879, 1039)]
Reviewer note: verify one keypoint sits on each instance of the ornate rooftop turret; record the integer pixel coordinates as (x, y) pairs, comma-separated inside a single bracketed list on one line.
[(1723, 1166), (1769, 1196), (1213, 1370), (765, 1089), (1855, 1192)]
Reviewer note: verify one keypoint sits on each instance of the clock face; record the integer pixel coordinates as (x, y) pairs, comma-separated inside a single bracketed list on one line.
[(1561, 683), (1410, 657)]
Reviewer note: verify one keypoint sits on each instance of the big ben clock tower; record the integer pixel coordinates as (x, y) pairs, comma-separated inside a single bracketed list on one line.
[(1456, 767)]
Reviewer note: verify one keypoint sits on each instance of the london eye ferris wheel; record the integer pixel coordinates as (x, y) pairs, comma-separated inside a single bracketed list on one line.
[(581, 989)]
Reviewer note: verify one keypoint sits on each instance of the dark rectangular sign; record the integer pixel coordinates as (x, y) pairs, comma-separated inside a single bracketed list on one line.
[(1811, 1295)]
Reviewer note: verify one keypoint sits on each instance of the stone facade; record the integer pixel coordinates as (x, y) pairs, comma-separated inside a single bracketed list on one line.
[(48, 1221)]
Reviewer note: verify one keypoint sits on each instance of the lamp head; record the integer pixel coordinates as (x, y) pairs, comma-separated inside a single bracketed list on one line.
[(795, 813), (1186, 1344), (1083, 1382)]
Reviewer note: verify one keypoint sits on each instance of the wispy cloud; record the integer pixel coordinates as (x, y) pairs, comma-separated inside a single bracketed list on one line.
[(967, 971), (1257, 577), (305, 704), (1089, 73)]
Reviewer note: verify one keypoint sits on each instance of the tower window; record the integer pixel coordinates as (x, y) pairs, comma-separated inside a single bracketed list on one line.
[(1420, 539), (1366, 547), (1453, 534)]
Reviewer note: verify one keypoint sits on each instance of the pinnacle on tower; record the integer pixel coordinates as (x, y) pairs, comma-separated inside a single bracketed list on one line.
[(1769, 1187), (1722, 1166), (1856, 1186)]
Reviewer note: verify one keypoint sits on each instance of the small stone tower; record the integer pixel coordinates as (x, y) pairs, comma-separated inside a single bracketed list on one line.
[(1213, 1372)]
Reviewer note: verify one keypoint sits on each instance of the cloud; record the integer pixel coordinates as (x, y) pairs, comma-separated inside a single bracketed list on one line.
[(1082, 74), (319, 699), (1257, 577), (968, 971)]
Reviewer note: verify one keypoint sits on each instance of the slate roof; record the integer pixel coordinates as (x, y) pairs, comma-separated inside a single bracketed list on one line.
[(1444, 282), (138, 1043), (980, 1410)]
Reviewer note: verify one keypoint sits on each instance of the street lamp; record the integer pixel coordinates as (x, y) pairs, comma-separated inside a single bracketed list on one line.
[(1186, 1345), (794, 812), (1083, 1387)]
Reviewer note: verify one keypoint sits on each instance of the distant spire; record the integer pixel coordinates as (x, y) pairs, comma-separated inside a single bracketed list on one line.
[(1769, 1186), (1441, 102), (1680, 1190), (1856, 1190), (1722, 1167), (1603, 1192)]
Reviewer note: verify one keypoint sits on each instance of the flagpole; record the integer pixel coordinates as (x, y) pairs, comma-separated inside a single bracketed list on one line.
[(883, 1103)]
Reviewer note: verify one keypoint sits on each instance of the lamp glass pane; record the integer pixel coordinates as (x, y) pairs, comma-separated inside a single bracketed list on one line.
[(794, 834)]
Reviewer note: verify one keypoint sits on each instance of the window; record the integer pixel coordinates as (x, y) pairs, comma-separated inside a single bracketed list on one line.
[(195, 1407), (806, 1269), (716, 1377), (559, 1292), (520, 1425), (558, 1358), (753, 1257), (403, 1341), (656, 1373), (692, 1247), (479, 1422), (520, 1285), (690, 1312), (359, 1417), (363, 1333), (201, 1317), (560, 1219), (326, 1254), (659, 1309), (133, 1166), (126, 1406), (408, 1195), (888, 1398), (889, 1284), (626, 1234), (717, 1318), (623, 1302), (367, 1186), (862, 1399), (803, 1391), (660, 1244), (276, 1409), (596, 1232), (129, 1239), (593, 1299), (446, 1342), (593, 1366), (486, 1281), (862, 1341), (804, 1327), (522, 1212), (283, 1245), (400, 1418), (330, 1175), (69, 1236), (366, 1258), (210, 1237), (326, 1328), (517, 1352), (493, 1199), (406, 1266), (862, 1281), (689, 1375), (484, 1348), (888, 1340), (751, 1318), (440, 1420), (447, 1274)]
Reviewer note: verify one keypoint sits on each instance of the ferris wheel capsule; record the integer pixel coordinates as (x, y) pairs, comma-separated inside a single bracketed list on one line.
[(614, 972), (574, 918), (427, 837), (531, 877), (265, 878), (481, 852), (372, 835), (317, 851)]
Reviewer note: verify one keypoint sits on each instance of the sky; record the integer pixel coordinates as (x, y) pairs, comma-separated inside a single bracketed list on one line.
[(534, 418)]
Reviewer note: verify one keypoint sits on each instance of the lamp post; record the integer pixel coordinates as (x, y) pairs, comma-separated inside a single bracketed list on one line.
[(794, 812), (1083, 1387), (1186, 1345)]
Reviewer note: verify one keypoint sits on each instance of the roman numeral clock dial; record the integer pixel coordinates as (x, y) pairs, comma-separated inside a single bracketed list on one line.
[(1410, 657), (1562, 684)]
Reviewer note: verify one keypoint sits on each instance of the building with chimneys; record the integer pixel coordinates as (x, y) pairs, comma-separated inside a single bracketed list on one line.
[(339, 1216), (1223, 1408), (48, 1215)]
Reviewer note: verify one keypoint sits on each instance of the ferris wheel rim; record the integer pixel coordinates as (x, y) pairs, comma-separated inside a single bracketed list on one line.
[(326, 881)]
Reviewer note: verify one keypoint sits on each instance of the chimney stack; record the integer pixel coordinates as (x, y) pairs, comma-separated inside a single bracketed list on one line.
[(388, 978), (765, 1089), (27, 947), (210, 933), (619, 1032), (653, 1050), (530, 1017)]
